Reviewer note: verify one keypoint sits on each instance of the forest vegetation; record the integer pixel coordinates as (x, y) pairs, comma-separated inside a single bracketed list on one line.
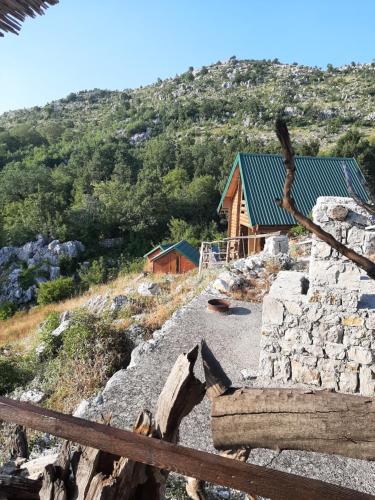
[(148, 164)]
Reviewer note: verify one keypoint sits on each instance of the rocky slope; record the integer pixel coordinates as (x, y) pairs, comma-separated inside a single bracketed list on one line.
[(23, 268), (234, 97)]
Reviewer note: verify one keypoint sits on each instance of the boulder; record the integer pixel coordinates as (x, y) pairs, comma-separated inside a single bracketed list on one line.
[(275, 245), (64, 325), (32, 396), (97, 304), (117, 303), (149, 288), (227, 282)]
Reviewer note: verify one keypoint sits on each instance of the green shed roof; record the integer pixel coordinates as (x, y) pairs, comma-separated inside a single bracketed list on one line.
[(263, 179), (183, 248), (162, 247)]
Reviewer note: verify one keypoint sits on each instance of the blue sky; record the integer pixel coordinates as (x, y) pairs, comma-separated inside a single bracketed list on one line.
[(117, 44)]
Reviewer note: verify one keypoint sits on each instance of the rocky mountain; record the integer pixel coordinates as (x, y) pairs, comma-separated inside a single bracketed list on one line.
[(222, 100)]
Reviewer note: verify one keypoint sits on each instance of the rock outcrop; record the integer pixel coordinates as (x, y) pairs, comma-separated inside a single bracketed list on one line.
[(22, 268)]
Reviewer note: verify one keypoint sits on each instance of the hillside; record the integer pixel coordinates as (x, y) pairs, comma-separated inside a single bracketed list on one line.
[(101, 163)]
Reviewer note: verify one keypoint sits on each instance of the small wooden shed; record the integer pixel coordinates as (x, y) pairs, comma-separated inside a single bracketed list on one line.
[(256, 181), (174, 258)]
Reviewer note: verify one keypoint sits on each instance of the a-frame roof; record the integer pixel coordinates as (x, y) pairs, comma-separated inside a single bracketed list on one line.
[(161, 247), (184, 248), (263, 177)]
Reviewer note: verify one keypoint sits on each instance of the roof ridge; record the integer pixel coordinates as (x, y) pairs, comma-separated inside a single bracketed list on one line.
[(279, 155)]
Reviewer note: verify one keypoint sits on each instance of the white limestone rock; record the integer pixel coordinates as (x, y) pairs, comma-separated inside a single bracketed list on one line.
[(147, 289)]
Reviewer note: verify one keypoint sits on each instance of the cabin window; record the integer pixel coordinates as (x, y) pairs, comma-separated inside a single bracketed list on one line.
[(177, 264)]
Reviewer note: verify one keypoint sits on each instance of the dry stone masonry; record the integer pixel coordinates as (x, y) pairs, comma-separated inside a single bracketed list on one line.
[(319, 329)]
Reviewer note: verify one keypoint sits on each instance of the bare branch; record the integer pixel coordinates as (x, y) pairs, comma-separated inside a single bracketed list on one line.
[(288, 204), (370, 208)]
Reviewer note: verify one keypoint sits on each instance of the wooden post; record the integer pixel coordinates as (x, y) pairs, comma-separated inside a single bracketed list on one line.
[(201, 258)]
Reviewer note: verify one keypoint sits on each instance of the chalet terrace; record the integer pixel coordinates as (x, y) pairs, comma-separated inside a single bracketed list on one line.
[(256, 181), (14, 12)]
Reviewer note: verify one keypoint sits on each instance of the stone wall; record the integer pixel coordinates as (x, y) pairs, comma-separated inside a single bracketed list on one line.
[(319, 328)]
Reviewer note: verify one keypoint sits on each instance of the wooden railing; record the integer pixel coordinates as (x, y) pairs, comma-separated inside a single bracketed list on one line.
[(252, 479), (223, 251)]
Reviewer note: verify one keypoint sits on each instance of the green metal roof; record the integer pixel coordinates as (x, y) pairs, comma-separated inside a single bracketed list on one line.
[(263, 179), (162, 247), (184, 248)]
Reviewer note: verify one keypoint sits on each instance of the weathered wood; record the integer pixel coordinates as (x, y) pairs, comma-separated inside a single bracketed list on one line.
[(54, 482), (195, 489), (217, 382), (19, 447), (132, 480), (19, 487), (163, 455), (53, 487), (321, 421), (87, 468), (181, 392), (288, 204)]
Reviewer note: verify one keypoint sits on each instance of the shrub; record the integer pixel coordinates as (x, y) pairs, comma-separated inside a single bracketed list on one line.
[(27, 276), (298, 230), (134, 266), (51, 342), (7, 309), (95, 274), (13, 373), (56, 290)]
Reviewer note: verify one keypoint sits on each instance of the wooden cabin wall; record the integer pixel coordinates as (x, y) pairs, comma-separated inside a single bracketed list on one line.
[(234, 221), (173, 263), (148, 264), (186, 264)]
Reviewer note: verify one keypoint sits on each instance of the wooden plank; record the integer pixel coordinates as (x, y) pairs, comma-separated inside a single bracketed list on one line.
[(245, 477), (297, 419)]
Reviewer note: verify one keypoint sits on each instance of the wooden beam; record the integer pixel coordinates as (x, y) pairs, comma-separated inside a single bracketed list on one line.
[(245, 477), (295, 419)]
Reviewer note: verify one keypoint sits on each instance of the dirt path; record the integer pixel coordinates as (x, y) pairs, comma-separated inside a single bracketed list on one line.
[(234, 339)]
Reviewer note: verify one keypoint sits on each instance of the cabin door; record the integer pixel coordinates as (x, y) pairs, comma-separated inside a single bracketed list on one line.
[(175, 264)]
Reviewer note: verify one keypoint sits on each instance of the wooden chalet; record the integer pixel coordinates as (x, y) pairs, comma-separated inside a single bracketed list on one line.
[(174, 258), (256, 181), (14, 12)]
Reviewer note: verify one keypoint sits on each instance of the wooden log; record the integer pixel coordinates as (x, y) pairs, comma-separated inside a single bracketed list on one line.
[(132, 480), (180, 394), (54, 483), (163, 455), (53, 487), (19, 487), (295, 419), (217, 382)]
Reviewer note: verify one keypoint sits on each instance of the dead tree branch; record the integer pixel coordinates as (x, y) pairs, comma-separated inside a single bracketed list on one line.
[(369, 207), (288, 204)]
